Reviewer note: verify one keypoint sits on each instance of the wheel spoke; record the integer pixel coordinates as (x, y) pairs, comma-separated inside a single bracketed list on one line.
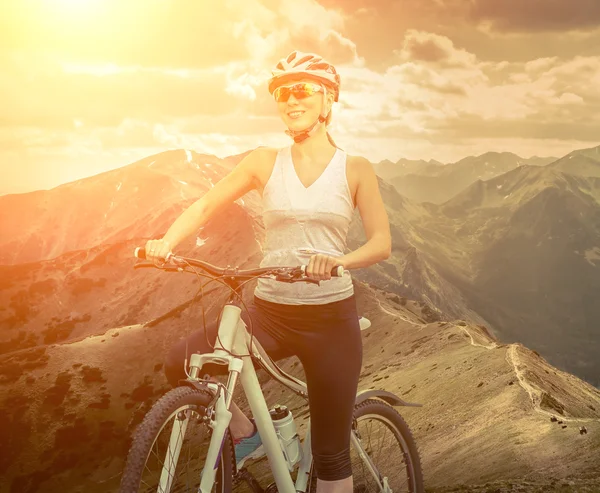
[(169, 451), (388, 453)]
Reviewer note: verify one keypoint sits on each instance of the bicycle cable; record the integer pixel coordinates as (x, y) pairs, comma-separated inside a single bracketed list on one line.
[(236, 292)]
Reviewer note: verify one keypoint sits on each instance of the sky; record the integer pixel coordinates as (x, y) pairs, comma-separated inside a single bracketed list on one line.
[(92, 85)]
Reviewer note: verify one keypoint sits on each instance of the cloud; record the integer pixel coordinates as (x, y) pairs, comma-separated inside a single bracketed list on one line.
[(23, 137), (537, 15), (177, 33), (430, 47), (444, 93), (42, 88), (50, 94), (194, 74), (473, 128), (501, 15), (434, 91)]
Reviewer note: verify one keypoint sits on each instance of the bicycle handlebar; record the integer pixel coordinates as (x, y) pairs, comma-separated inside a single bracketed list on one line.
[(140, 253)]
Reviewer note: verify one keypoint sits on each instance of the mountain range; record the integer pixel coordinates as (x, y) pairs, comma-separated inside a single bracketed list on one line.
[(435, 182), (485, 312), (521, 249)]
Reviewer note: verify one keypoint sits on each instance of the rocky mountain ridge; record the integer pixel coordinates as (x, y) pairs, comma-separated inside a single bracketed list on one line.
[(434, 182), (69, 408), (83, 334)]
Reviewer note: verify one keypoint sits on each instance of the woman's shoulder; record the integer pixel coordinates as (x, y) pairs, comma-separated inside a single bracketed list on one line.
[(357, 169), (358, 165), (358, 161), (264, 157), (266, 152)]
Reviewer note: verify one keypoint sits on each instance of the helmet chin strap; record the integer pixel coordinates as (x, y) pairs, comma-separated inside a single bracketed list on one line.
[(301, 135)]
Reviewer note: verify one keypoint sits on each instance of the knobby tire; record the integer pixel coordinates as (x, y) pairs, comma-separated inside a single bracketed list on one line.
[(151, 426), (410, 451)]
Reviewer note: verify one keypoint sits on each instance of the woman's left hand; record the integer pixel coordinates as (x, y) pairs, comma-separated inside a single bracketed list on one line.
[(320, 266)]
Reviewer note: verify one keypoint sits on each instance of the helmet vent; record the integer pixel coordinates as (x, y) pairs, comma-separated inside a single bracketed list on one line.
[(304, 59)]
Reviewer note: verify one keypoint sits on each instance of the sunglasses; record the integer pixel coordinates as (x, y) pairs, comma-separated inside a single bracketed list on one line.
[(300, 90)]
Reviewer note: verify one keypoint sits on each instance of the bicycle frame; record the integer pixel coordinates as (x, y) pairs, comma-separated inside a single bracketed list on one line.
[(234, 338)]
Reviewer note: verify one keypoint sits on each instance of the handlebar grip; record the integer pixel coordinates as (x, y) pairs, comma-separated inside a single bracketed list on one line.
[(337, 271), (140, 252)]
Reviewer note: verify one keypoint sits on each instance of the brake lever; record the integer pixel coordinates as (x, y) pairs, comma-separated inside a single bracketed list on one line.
[(312, 281), (300, 276), (292, 279)]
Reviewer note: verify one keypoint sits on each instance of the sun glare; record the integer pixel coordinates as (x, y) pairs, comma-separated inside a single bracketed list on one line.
[(74, 4), (74, 8)]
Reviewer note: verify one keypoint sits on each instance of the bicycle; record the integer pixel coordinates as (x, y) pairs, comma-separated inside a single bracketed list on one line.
[(204, 402)]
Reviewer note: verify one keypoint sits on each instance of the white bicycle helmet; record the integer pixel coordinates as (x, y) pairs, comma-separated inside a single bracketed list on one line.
[(299, 65)]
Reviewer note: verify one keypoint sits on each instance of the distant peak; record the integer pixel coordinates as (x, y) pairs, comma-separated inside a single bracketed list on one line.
[(492, 154)]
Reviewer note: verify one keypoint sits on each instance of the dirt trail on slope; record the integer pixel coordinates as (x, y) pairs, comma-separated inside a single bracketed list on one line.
[(535, 394)]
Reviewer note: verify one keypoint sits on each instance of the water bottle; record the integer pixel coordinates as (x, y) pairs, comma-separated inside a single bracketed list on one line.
[(285, 428)]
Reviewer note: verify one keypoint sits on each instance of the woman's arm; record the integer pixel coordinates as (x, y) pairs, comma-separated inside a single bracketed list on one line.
[(374, 217), (242, 179)]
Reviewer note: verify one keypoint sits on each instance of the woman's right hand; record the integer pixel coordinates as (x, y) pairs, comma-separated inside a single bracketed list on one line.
[(157, 251)]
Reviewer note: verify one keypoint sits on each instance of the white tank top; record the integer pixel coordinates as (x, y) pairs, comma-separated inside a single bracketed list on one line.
[(296, 217)]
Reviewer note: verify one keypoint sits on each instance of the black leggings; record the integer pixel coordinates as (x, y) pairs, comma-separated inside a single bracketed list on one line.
[(326, 338)]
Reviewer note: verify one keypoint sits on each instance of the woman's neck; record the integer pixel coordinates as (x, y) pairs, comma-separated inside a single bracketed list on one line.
[(314, 147)]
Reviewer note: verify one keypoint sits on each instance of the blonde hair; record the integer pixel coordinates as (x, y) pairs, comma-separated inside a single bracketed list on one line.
[(331, 141), (327, 122)]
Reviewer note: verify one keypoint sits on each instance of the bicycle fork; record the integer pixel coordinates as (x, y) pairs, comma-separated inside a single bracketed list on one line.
[(219, 423)]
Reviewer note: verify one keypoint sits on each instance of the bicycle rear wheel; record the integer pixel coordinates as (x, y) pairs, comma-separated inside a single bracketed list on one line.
[(392, 462), (170, 445)]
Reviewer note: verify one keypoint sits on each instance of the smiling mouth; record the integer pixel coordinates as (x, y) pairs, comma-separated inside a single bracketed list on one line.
[(295, 114)]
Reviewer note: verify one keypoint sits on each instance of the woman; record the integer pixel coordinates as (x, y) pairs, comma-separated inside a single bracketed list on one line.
[(309, 192)]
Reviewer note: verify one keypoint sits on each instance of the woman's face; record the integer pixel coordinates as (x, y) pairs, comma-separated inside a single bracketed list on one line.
[(298, 114)]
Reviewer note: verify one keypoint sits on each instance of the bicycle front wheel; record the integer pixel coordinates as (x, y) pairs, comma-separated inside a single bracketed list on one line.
[(170, 446), (383, 452)]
